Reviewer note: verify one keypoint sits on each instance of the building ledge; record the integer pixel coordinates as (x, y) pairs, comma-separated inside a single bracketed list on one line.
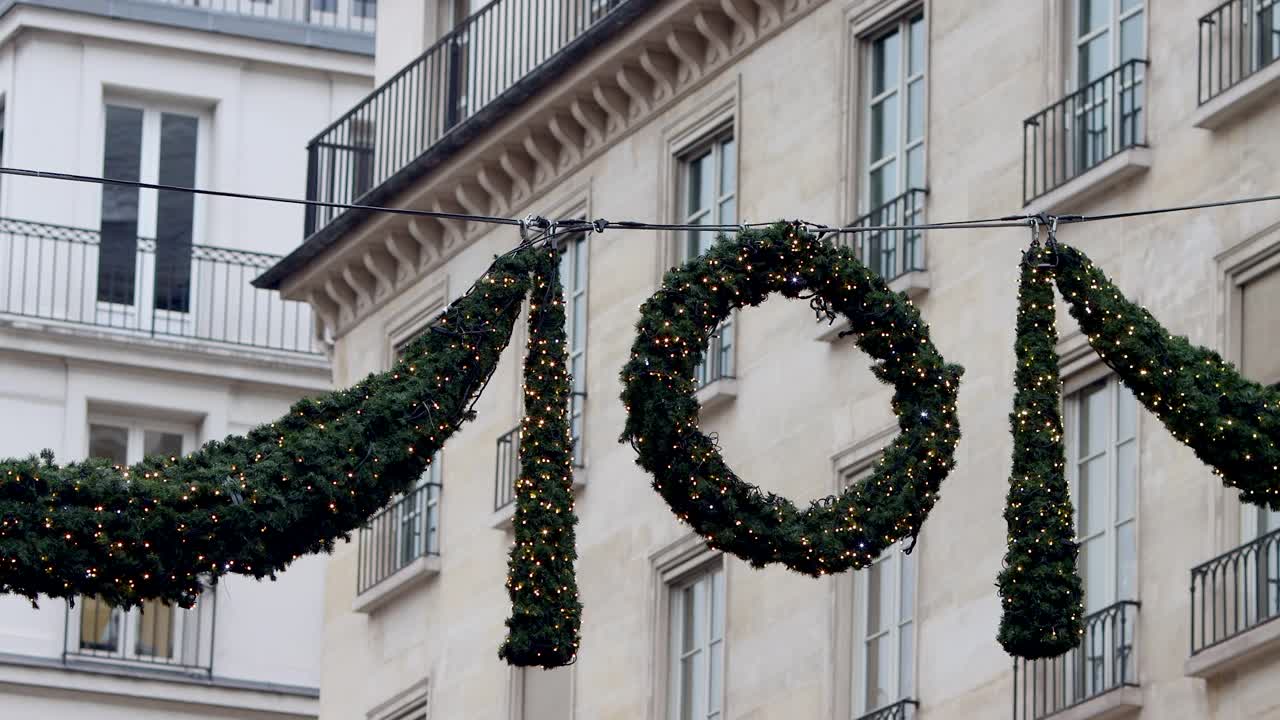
[(1230, 654), (1107, 174), (1241, 99), (717, 393), (396, 584), (1121, 702)]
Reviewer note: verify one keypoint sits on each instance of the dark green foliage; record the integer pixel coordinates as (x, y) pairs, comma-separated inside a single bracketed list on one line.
[(834, 533), (546, 615), (1041, 592), (1231, 423), (252, 504)]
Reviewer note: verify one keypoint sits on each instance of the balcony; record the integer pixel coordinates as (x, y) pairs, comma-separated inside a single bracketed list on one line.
[(1097, 679), (1089, 141), (488, 58), (507, 462), (399, 546), (1238, 48), (155, 637), (1234, 598), (135, 288), (901, 710)]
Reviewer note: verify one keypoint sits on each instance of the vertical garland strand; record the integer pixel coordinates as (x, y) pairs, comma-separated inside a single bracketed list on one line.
[(1040, 590), (543, 629)]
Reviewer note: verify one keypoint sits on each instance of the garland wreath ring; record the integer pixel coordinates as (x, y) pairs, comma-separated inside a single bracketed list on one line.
[(833, 534)]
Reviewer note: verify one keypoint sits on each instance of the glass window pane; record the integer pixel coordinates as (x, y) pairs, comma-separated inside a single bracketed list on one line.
[(915, 168), (1093, 420), (118, 240), (1092, 506), (1093, 571), (1126, 5), (1268, 520), (579, 320), (1131, 40), (884, 183), (99, 625), (699, 184), (175, 213), (915, 110), (580, 263), (1126, 562), (917, 46), (884, 128), (717, 605), (728, 166), (906, 661), (715, 684), (1094, 61), (907, 591), (1126, 413), (1093, 15), (155, 630), (110, 443), (885, 54), (689, 679), (879, 665), (689, 606), (161, 443), (1126, 480)]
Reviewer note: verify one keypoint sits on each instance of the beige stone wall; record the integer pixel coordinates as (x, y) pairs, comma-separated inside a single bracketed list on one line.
[(802, 402)]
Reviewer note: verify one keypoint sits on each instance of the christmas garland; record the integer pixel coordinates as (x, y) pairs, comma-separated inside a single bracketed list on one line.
[(1041, 591), (833, 534), (1231, 422), (251, 504), (546, 614)]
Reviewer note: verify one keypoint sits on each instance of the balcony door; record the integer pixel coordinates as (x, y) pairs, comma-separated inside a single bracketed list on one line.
[(1108, 89), (145, 277), (1260, 361)]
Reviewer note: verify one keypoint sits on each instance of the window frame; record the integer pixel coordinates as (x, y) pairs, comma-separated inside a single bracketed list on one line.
[(575, 254), (711, 573), (686, 557), (899, 22), (1116, 17), (1071, 399)]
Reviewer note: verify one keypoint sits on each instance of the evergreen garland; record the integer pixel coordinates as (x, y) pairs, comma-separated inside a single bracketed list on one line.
[(1231, 422), (546, 613), (1041, 592), (835, 533), (251, 504)]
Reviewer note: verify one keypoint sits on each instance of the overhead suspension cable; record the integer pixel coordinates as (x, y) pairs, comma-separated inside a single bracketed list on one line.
[(600, 225)]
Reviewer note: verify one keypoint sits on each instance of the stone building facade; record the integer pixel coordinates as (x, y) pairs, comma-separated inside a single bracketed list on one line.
[(868, 112)]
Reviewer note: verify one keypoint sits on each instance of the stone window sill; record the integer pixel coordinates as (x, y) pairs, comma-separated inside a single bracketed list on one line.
[(398, 583), (717, 393), (914, 283), (1240, 650), (1111, 705), (1107, 174), (1245, 97)]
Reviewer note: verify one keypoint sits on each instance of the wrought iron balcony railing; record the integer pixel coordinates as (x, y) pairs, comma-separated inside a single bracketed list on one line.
[(1083, 129), (901, 710), (354, 15), (1235, 592), (400, 533), (892, 253), (144, 288), (457, 77), (154, 636), (1237, 39), (1106, 659), (507, 460)]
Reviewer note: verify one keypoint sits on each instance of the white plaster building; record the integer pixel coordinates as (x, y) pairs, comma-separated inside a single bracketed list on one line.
[(836, 111), (127, 322)]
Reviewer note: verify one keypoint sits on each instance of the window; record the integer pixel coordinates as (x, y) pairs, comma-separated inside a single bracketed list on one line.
[(696, 645), (708, 196), (324, 5), (1260, 361), (1106, 35), (1102, 457), (153, 632), (155, 147), (894, 143), (573, 276), (885, 626), (365, 8)]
